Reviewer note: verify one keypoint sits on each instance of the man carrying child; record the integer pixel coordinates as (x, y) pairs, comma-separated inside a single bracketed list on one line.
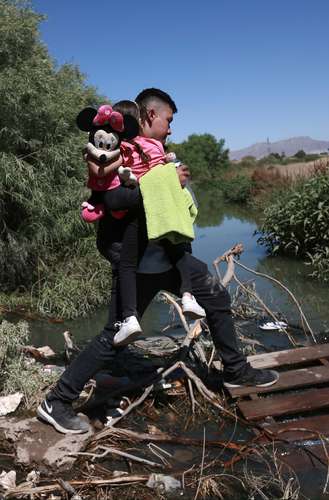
[(155, 273)]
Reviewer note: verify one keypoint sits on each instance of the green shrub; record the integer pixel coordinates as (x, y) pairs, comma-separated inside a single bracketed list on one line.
[(12, 337), (238, 189), (42, 175), (297, 223), (76, 287), (16, 373)]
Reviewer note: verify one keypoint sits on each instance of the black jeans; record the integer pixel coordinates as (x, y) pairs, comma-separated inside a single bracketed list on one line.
[(133, 237), (214, 298)]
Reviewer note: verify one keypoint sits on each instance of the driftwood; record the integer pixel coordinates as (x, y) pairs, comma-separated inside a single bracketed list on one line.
[(227, 257), (25, 489), (160, 437), (114, 451)]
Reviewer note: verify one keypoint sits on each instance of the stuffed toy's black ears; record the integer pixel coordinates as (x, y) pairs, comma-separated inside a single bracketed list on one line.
[(85, 119), (131, 127)]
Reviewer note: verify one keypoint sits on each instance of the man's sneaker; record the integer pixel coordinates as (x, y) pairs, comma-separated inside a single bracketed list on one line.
[(61, 416), (191, 308), (252, 377), (129, 331)]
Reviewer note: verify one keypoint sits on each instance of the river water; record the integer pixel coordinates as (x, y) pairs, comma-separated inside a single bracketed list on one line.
[(219, 227)]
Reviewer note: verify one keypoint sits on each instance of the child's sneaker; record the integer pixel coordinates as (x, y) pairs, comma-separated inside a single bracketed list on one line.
[(130, 329), (191, 308), (91, 213)]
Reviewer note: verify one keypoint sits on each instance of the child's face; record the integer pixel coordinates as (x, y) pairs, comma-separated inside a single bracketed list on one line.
[(160, 128)]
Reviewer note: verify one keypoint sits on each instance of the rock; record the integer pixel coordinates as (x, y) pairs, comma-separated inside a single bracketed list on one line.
[(8, 479), (39, 352), (8, 404), (36, 443)]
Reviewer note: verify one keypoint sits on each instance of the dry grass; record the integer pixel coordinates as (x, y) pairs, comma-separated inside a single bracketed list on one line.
[(302, 170), (275, 176)]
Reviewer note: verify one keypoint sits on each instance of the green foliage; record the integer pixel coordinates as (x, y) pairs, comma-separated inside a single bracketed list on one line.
[(75, 288), (247, 161), (297, 223), (272, 159), (300, 154), (12, 338), (16, 373), (206, 157), (238, 189), (41, 169)]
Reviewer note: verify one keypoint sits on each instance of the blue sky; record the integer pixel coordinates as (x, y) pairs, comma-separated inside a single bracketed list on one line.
[(243, 70)]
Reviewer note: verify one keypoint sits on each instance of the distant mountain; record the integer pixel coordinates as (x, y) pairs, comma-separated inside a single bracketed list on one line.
[(288, 146)]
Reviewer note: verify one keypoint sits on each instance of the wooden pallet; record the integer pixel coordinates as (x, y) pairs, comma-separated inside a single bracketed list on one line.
[(297, 406)]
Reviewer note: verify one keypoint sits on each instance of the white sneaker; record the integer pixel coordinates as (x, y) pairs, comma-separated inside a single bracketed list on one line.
[(191, 308), (130, 329)]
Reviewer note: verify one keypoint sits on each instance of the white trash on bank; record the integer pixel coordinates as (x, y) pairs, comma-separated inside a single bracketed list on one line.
[(8, 479), (163, 483), (273, 325), (9, 404)]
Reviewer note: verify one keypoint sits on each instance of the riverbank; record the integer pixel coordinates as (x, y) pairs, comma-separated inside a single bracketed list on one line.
[(190, 437)]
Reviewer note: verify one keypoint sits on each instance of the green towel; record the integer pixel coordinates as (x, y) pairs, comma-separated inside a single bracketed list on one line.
[(169, 209)]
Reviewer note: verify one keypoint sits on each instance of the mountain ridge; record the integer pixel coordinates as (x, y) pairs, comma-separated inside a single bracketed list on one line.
[(288, 146)]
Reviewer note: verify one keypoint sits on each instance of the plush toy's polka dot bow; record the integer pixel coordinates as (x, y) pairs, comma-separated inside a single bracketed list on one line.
[(106, 116)]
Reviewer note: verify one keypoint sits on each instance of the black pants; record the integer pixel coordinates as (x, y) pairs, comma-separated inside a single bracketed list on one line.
[(134, 239), (212, 297)]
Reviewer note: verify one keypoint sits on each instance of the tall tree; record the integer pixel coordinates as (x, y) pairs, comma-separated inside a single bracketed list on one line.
[(206, 157), (41, 172)]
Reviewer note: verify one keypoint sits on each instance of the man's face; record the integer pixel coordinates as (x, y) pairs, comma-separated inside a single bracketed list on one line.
[(161, 119)]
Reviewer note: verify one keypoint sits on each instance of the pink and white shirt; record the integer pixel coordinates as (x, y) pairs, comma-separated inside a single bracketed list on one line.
[(132, 158)]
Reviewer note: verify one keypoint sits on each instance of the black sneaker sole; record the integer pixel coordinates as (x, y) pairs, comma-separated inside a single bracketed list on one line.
[(231, 385), (48, 418)]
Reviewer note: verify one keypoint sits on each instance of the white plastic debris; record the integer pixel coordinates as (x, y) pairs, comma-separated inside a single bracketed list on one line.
[(8, 404), (33, 477), (119, 473), (163, 483), (53, 369), (273, 325), (8, 479)]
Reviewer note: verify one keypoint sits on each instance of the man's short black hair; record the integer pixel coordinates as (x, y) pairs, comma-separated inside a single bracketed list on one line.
[(147, 95)]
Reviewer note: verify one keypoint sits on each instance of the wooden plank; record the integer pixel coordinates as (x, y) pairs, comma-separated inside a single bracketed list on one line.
[(285, 358), (285, 404), (290, 356), (298, 430), (291, 379)]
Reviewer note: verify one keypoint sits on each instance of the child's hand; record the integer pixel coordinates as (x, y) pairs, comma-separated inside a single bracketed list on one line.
[(170, 157), (102, 169)]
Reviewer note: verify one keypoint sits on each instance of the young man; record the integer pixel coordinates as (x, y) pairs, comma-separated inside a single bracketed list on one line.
[(155, 273)]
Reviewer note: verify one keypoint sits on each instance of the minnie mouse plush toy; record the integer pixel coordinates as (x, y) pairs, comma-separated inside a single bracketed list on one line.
[(107, 128)]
